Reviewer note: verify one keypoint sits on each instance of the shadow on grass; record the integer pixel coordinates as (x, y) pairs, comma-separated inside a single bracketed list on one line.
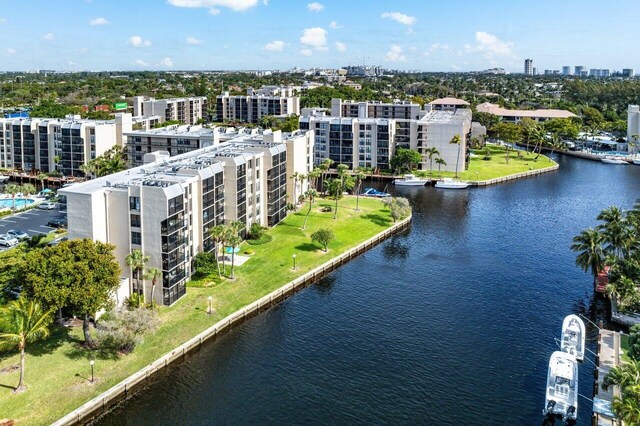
[(377, 219), (78, 351), (58, 337), (307, 247)]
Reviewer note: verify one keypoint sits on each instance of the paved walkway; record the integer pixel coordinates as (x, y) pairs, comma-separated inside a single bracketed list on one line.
[(609, 356)]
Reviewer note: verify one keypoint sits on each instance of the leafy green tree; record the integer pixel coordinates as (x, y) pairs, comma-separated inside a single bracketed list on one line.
[(399, 208), (111, 161), (323, 236), (591, 255), (21, 322), (405, 160), (509, 132), (634, 342)]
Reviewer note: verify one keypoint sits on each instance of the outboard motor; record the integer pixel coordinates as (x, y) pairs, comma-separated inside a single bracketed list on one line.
[(571, 411), (550, 405)]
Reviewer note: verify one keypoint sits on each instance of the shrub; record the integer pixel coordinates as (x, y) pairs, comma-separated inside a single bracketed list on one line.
[(205, 263), (326, 209), (634, 342), (133, 301), (123, 330), (249, 252), (323, 236), (399, 208), (256, 231), (265, 238)]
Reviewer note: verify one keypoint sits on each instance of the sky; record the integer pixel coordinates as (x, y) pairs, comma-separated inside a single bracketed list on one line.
[(428, 35)]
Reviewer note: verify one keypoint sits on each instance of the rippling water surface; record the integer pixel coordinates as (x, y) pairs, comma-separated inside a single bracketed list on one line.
[(452, 322)]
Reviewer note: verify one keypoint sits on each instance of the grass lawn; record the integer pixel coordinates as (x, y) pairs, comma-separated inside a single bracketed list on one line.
[(497, 166), (58, 372)]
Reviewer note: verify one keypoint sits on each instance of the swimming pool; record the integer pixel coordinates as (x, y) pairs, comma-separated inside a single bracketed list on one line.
[(20, 202)]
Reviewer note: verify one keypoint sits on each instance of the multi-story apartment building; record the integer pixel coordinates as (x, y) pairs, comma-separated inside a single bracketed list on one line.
[(566, 70), (528, 67), (49, 144), (628, 72), (633, 128), (166, 207), (268, 100), (187, 110)]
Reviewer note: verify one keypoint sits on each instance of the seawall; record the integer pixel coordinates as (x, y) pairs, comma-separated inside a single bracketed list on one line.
[(514, 176), (102, 403)]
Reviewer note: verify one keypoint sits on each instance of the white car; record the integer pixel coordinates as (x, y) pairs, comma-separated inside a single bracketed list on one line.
[(18, 234), (8, 241), (47, 206)]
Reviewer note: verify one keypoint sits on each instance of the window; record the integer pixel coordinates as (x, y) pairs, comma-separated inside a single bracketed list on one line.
[(136, 238), (135, 220), (134, 203)]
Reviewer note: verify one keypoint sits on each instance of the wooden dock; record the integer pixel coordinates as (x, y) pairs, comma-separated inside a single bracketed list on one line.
[(608, 357)]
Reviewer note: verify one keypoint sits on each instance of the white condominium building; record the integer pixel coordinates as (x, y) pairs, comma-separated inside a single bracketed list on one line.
[(187, 110), (269, 100), (633, 128), (166, 207), (48, 144)]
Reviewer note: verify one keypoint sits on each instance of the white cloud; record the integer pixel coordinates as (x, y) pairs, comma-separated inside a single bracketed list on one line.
[(215, 5), (3, 21), (399, 17), (436, 47), (137, 41), (48, 36), (315, 37), (341, 47), (306, 52), (141, 63), (193, 40), (71, 63), (274, 46), (489, 45), (98, 21), (11, 51), (166, 62), (395, 54), (334, 25), (315, 7)]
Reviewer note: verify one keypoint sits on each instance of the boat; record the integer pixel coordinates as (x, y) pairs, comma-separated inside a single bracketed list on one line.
[(636, 161), (613, 160), (449, 183), (573, 336), (371, 192), (410, 180), (562, 387)]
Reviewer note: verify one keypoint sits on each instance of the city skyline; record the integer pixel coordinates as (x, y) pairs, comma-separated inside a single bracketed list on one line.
[(272, 34)]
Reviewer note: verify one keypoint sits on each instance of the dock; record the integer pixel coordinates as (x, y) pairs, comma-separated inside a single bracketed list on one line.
[(608, 357)]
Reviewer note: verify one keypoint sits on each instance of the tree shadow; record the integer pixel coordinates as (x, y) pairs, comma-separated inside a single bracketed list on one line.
[(377, 219), (78, 351), (58, 337), (307, 247)]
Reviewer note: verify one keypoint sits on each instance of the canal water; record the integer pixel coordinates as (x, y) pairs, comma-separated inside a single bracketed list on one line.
[(450, 323)]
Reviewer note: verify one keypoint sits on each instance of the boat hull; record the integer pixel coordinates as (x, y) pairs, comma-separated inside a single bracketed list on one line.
[(613, 161), (409, 183), (445, 185), (561, 397), (572, 339), (636, 161)]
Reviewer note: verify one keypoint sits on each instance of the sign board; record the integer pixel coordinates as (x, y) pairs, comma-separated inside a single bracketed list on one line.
[(118, 106)]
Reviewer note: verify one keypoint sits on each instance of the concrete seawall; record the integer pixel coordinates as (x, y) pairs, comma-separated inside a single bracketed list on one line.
[(100, 404), (515, 176)]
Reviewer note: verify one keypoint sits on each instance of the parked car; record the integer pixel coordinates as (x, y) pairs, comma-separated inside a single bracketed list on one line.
[(8, 241), (57, 223), (18, 234), (47, 206)]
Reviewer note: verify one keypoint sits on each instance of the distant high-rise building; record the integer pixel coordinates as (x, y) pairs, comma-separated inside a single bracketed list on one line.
[(528, 67), (566, 70), (578, 70), (628, 72), (535, 71)]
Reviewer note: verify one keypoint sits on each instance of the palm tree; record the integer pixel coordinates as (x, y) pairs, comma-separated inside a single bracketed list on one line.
[(613, 229), (324, 167), (440, 162), (236, 239), (342, 171), (217, 235), (313, 176), (627, 406), (41, 177), (591, 255), (310, 194), (13, 189), (136, 260), (431, 152), (28, 189), (23, 322), (624, 290), (153, 274), (359, 177), (456, 140)]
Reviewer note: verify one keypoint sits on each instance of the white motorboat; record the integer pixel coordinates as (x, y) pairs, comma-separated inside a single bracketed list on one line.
[(449, 183), (613, 160), (573, 336), (562, 386), (636, 161), (410, 180)]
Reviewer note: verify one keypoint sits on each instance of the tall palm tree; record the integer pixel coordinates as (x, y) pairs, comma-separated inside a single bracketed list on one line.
[(342, 171), (359, 176), (234, 241), (13, 189), (613, 230), (324, 167), (41, 177), (591, 255), (137, 261), (440, 162), (153, 274), (431, 152), (295, 177), (313, 176), (217, 235), (23, 321), (28, 189), (310, 194), (624, 290), (456, 140), (627, 406)]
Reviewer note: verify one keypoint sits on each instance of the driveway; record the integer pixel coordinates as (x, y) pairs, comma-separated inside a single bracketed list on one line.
[(32, 222)]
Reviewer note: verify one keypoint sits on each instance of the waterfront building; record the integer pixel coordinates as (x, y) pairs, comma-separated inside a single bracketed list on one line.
[(189, 110), (528, 67), (166, 206), (62, 144), (516, 115), (633, 128), (279, 101)]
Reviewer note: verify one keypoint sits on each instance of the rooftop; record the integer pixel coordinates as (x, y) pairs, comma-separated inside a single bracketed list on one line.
[(490, 108), (449, 101)]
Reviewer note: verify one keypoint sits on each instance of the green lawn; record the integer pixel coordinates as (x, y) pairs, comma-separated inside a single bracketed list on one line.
[(497, 166), (57, 370)]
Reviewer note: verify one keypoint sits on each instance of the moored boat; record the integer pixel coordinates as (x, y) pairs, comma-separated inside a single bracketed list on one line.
[(636, 161), (371, 192), (613, 160), (573, 336), (561, 397), (410, 180), (449, 183)]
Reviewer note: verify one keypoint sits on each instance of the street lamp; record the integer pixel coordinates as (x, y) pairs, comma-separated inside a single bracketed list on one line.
[(91, 364), (210, 311), (294, 261)]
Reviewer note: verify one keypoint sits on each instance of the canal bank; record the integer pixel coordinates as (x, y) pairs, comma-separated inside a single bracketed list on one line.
[(103, 402)]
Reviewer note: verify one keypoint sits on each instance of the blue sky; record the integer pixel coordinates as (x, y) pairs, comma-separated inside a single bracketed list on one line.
[(443, 35)]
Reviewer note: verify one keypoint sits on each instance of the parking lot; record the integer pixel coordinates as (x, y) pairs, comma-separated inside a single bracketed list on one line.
[(31, 222)]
